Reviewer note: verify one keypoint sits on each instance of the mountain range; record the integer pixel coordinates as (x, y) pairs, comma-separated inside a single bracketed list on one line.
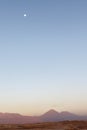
[(50, 116)]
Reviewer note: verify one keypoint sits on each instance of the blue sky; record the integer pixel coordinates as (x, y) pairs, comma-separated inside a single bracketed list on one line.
[(43, 56)]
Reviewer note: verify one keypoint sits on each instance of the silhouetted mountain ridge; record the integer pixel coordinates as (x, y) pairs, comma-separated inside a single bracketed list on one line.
[(50, 116)]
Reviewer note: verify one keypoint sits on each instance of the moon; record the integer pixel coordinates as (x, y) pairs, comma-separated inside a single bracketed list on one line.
[(25, 15)]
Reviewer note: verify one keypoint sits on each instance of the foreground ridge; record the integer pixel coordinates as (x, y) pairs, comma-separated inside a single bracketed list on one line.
[(64, 125)]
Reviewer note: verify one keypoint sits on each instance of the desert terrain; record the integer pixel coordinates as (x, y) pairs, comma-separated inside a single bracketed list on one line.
[(64, 125)]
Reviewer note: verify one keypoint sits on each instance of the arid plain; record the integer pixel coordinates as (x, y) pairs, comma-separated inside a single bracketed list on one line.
[(64, 125)]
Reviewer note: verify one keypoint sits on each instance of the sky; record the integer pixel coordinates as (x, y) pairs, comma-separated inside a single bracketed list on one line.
[(43, 56)]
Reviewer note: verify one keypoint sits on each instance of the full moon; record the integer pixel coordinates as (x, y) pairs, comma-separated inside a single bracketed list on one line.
[(25, 15)]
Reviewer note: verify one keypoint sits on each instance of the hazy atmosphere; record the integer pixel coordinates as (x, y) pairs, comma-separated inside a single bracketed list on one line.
[(43, 56)]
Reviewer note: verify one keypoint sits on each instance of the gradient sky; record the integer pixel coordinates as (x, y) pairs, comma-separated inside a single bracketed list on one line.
[(43, 57)]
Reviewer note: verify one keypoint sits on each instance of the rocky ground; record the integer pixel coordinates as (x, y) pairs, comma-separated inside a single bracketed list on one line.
[(65, 125)]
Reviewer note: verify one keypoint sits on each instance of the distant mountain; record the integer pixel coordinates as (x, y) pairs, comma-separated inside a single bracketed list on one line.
[(53, 115), (50, 116)]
